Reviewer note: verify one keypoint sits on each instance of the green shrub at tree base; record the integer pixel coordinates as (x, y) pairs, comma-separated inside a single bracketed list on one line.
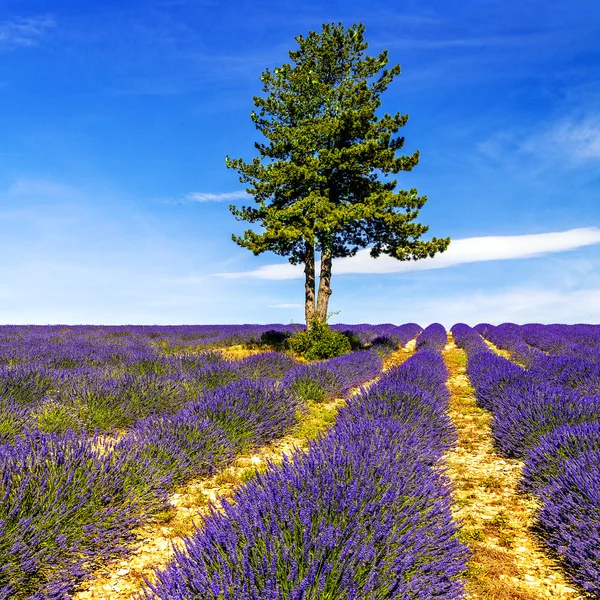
[(319, 341)]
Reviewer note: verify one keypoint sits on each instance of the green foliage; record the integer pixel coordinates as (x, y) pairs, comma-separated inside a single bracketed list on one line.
[(104, 412), (118, 334), (319, 341), (325, 143), (355, 343), (309, 389), (53, 417), (274, 339)]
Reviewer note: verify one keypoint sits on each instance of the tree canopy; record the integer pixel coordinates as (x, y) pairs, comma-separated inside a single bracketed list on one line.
[(319, 193)]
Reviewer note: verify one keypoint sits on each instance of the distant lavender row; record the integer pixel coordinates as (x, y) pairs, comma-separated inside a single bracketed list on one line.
[(68, 347), (581, 341), (549, 416), (364, 514), (106, 378), (372, 334), (433, 336), (88, 400), (334, 377), (507, 337), (528, 343), (569, 370), (97, 398)]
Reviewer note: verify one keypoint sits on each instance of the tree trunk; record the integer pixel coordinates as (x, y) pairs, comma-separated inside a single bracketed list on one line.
[(309, 284), (324, 285)]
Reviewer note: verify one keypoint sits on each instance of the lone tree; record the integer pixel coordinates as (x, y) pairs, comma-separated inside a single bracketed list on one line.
[(319, 194)]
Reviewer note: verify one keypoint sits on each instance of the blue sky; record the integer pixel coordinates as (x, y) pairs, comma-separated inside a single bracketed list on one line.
[(116, 118)]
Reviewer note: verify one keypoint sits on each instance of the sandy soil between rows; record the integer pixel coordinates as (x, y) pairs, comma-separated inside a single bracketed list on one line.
[(509, 562)]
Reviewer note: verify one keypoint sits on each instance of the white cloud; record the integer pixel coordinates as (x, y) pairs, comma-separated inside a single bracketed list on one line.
[(572, 141), (280, 271), (575, 140), (206, 197), (468, 250), (469, 42), (41, 188), (24, 31)]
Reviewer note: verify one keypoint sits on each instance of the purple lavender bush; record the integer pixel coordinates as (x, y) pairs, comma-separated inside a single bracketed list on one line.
[(568, 372), (334, 377), (570, 519), (250, 412), (426, 369), (489, 374), (26, 384), (530, 410), (65, 510), (507, 337), (544, 338), (547, 459), (415, 407), (266, 365), (333, 523), (210, 375), (362, 515), (383, 345), (106, 403), (468, 339), (14, 419), (433, 336), (367, 333), (163, 452)]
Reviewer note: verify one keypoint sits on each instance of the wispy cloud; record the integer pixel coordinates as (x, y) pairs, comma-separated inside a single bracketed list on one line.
[(206, 197), (577, 141), (466, 42), (40, 188), (188, 280), (24, 31), (571, 141), (462, 251), (203, 197)]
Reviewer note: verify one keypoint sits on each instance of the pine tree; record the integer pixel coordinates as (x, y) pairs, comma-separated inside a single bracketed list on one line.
[(319, 193)]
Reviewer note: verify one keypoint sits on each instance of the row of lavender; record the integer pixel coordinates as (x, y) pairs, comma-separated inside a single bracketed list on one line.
[(529, 343), (70, 500), (137, 348), (364, 514), (581, 341), (89, 385), (549, 416), (98, 399)]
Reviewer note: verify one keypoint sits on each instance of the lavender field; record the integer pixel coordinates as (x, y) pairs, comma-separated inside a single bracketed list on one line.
[(99, 426)]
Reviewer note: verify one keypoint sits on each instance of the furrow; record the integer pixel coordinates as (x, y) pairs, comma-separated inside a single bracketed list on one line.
[(508, 562)]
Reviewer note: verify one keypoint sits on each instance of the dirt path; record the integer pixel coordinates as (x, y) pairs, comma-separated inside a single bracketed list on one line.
[(508, 562), (121, 580)]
